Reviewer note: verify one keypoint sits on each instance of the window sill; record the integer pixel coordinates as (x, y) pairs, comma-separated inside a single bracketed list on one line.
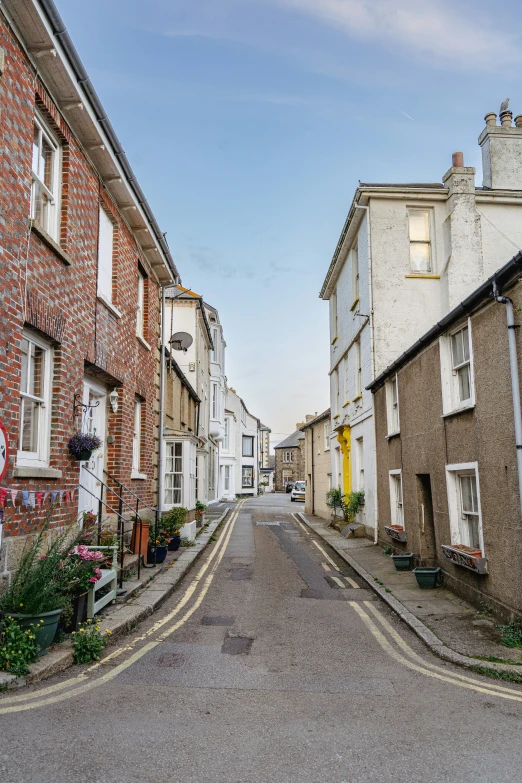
[(143, 342), (135, 475), (354, 305), (51, 244), (466, 558), (391, 435), (29, 471), (334, 340), (109, 305), (422, 277), (458, 410)]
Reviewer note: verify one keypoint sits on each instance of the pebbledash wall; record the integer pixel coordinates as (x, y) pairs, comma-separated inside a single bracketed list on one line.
[(49, 292)]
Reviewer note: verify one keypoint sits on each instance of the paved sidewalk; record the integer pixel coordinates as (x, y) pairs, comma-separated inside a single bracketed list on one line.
[(144, 597), (452, 628)]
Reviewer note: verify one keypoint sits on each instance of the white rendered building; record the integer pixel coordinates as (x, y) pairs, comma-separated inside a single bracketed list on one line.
[(409, 253), (239, 457)]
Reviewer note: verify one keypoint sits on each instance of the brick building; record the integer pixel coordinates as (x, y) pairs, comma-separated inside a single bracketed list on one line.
[(82, 263), (290, 459)]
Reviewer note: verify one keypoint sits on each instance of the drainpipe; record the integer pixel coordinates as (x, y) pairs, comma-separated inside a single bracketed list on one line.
[(372, 356), (161, 402), (313, 474), (515, 387)]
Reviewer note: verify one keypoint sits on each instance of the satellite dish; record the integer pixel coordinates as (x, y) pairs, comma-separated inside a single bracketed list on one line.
[(181, 341)]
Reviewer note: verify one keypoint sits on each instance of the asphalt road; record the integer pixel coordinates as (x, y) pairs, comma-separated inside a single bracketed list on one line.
[(270, 663)]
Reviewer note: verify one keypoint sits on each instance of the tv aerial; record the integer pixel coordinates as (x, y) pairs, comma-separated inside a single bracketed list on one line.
[(181, 341)]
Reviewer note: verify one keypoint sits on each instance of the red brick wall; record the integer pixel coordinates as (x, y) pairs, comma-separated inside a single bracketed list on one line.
[(38, 288)]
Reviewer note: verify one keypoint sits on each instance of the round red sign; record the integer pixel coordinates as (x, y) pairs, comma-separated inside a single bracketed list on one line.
[(4, 451)]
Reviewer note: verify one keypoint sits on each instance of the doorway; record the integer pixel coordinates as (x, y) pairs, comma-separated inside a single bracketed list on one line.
[(94, 420), (428, 544)]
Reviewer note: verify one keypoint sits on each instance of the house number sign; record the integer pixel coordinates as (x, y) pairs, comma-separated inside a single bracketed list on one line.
[(4, 451)]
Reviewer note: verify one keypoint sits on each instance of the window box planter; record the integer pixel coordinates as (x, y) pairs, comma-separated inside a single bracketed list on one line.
[(466, 557), (403, 562), (427, 577), (396, 532)]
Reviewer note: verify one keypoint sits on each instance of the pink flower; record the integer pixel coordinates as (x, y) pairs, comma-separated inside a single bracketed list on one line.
[(98, 572), (42, 557), (93, 579)]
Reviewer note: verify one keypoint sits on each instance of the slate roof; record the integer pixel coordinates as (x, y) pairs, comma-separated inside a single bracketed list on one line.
[(292, 441)]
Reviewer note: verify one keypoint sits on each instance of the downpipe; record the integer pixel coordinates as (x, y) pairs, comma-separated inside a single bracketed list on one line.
[(515, 385)]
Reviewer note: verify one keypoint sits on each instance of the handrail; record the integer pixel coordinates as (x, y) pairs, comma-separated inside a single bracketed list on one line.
[(108, 487), (124, 486)]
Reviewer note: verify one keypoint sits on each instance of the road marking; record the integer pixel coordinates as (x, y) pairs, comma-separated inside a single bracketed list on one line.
[(301, 524), (428, 669), (326, 555), (325, 566), (338, 582), (52, 699), (353, 583)]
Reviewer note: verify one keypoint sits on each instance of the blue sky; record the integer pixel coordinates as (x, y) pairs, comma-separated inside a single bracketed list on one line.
[(249, 124)]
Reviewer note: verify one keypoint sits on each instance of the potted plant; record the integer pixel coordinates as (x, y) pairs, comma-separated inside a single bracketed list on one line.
[(38, 591), (427, 577), (200, 511), (82, 444), (171, 524), (157, 548), (81, 570), (403, 561)]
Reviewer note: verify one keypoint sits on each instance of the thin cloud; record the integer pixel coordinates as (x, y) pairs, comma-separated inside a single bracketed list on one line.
[(428, 29)]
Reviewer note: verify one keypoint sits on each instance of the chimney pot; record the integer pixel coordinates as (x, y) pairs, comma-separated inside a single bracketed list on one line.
[(518, 121), (457, 159), (491, 118), (506, 119)]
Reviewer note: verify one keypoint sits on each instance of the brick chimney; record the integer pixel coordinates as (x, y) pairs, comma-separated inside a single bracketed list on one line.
[(502, 152)]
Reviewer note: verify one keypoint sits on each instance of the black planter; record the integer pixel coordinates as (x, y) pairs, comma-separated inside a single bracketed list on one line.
[(161, 554), (427, 577), (403, 562), (79, 614), (174, 543), (84, 455)]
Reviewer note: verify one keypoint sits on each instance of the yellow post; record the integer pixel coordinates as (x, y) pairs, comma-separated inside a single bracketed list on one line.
[(345, 441)]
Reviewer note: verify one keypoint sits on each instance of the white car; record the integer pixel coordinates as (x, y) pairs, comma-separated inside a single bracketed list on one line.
[(298, 491)]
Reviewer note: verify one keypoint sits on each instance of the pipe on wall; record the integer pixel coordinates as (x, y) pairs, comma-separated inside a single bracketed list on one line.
[(161, 402), (515, 385)]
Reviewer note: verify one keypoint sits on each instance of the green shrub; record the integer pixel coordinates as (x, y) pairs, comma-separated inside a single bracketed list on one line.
[(187, 542), (348, 504), (18, 647), (88, 642), (174, 519), (511, 634)]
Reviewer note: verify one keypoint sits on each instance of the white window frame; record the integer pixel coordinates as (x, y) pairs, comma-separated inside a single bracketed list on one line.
[(335, 391), (169, 499), (426, 242), (451, 402), (137, 443), (214, 354), (326, 430), (333, 316), (214, 401), (359, 464), (457, 531), (356, 280), (358, 367), (52, 226), (226, 437), (288, 456), (40, 457), (140, 314), (226, 478), (396, 498), (392, 406), (249, 468), (105, 255)]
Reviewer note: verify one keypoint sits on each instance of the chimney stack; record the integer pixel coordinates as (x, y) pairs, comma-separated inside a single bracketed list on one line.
[(502, 151)]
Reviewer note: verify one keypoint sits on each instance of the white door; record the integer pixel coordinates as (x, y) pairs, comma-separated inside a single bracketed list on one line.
[(93, 422)]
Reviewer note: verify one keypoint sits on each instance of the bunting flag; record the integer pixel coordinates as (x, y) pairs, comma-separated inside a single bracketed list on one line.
[(54, 496), (3, 495), (39, 499), (67, 497), (25, 498), (45, 497), (14, 493), (32, 500)]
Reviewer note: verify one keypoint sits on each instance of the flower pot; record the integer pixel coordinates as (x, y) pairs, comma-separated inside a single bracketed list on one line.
[(84, 455), (174, 543), (44, 630), (79, 614), (140, 538), (161, 554), (403, 561), (426, 577)]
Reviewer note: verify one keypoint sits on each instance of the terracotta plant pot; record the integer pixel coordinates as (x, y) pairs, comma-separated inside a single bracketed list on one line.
[(140, 539)]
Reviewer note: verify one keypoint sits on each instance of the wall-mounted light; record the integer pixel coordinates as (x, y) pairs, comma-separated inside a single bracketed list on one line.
[(113, 399)]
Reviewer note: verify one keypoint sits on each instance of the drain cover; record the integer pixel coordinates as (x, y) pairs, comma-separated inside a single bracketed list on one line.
[(225, 621), (266, 524), (237, 645)]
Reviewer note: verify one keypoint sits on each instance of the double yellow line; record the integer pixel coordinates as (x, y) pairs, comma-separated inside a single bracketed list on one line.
[(85, 681), (407, 657)]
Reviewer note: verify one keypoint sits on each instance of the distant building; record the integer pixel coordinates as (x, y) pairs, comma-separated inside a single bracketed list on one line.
[(289, 459), (239, 456), (266, 469), (318, 465)]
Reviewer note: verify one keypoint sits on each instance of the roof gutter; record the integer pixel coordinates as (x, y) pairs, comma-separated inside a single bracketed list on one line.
[(482, 294), (60, 32)]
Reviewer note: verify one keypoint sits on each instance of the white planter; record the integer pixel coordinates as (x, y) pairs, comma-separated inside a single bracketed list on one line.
[(188, 530)]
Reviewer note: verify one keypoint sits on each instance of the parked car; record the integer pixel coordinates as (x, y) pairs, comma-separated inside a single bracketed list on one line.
[(298, 492), (289, 486)]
